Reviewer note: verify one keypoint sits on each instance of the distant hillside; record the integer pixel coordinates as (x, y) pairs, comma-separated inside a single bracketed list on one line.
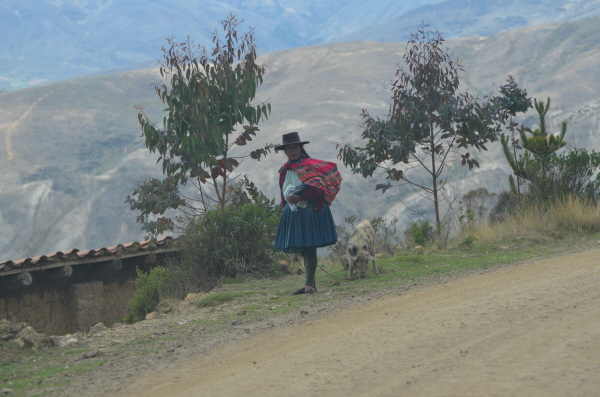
[(465, 18), (71, 151), (48, 40)]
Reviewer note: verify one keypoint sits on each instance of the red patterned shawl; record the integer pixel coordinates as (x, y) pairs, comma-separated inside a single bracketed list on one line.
[(323, 175)]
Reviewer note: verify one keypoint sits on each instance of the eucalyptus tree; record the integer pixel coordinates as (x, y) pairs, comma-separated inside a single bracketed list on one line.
[(209, 95), (431, 123)]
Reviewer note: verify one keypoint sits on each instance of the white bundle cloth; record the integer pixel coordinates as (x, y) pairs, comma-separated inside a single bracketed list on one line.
[(291, 190)]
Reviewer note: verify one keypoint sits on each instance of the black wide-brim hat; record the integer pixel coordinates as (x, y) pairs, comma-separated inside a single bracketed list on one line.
[(290, 139)]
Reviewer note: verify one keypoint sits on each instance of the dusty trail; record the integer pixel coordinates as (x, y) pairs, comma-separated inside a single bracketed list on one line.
[(527, 330)]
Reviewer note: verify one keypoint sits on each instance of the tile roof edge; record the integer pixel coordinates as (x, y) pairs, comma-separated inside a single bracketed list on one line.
[(75, 254)]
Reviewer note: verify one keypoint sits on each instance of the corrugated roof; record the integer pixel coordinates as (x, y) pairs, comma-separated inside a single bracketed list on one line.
[(75, 256)]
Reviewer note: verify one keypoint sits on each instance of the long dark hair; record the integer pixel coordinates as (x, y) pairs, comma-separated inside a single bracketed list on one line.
[(304, 154)]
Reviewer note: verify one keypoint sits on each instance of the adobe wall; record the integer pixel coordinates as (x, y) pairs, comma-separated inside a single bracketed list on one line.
[(69, 305)]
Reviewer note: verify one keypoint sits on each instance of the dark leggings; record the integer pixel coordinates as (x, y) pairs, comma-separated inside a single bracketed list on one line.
[(310, 265)]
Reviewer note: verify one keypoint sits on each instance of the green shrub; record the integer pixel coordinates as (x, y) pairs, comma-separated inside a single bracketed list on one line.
[(227, 243), (149, 288), (508, 204), (557, 176), (553, 179), (421, 231), (468, 241), (218, 244)]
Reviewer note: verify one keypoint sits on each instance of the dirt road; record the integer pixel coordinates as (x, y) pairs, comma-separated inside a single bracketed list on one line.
[(526, 330)]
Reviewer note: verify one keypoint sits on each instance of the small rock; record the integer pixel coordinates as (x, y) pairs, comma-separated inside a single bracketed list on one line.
[(97, 329), (29, 338), (194, 297), (9, 330), (285, 267), (418, 250), (92, 354), (6, 392), (168, 306), (153, 316), (303, 312), (70, 339), (273, 297)]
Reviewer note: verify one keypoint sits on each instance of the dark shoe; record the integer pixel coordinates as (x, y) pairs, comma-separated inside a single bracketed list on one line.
[(299, 291)]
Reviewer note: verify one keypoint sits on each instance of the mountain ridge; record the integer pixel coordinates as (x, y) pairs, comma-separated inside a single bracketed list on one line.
[(78, 153), (50, 40)]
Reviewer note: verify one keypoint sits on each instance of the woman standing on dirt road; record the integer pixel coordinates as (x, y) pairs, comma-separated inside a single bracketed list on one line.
[(308, 186)]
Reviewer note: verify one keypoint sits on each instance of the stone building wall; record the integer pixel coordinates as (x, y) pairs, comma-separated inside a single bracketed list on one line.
[(59, 307)]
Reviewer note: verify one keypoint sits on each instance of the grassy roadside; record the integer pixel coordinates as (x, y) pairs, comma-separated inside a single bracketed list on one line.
[(38, 372), (405, 268)]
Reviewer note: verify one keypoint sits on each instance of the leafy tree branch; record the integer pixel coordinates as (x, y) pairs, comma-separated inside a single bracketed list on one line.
[(431, 123), (208, 95)]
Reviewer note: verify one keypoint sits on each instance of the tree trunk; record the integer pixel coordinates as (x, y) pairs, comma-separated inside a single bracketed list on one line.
[(436, 203), (224, 187)]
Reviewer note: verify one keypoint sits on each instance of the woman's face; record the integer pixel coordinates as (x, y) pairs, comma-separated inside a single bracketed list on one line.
[(293, 151)]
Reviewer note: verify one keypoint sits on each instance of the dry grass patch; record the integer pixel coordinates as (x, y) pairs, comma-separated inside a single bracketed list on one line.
[(536, 222)]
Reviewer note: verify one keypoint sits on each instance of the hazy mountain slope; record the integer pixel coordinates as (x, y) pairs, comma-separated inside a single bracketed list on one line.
[(464, 18), (70, 152), (90, 120), (61, 147), (46, 40), (558, 60), (49, 40), (328, 85)]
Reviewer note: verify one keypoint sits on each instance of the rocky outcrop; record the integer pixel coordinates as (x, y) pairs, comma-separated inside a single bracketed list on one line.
[(21, 335), (8, 330)]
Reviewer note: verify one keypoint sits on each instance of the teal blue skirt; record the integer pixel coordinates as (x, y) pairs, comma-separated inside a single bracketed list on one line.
[(305, 228)]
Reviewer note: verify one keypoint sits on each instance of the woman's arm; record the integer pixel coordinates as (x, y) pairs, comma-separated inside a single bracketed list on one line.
[(311, 193)]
